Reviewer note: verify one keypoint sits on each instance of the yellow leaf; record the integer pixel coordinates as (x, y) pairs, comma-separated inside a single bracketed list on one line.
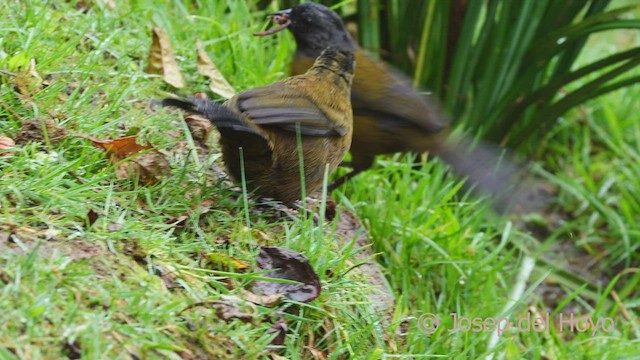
[(226, 261), (162, 61), (217, 83)]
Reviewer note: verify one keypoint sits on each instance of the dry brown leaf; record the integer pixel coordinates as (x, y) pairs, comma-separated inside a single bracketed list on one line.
[(225, 262), (279, 328), (32, 131), (169, 279), (200, 127), (202, 208), (217, 83), (6, 143), (72, 349), (82, 6), (288, 265), (162, 61), (149, 166), (92, 217), (264, 300), (178, 221), (120, 148), (316, 353), (228, 307)]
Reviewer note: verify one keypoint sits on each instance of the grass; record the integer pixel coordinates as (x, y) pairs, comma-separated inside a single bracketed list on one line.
[(120, 291)]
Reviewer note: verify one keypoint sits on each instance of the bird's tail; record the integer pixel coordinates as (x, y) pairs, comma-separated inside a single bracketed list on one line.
[(235, 130), (491, 171), (223, 117)]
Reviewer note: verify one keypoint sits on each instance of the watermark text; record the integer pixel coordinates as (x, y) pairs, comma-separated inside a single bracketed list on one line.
[(429, 323)]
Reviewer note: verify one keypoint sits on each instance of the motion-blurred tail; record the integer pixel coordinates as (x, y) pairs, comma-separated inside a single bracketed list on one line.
[(491, 171)]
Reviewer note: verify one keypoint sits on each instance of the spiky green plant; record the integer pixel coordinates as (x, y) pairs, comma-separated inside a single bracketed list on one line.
[(506, 69)]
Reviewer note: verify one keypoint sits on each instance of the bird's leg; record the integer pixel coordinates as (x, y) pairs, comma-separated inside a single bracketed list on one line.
[(343, 179), (358, 163)]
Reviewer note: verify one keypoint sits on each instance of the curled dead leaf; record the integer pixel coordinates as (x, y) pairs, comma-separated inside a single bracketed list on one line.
[(217, 83), (6, 144), (288, 265), (162, 61), (200, 128), (142, 161)]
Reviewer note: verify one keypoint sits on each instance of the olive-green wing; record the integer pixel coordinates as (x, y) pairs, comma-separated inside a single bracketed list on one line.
[(284, 107)]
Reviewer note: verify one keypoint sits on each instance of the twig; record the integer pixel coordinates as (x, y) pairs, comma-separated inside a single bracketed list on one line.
[(7, 73), (528, 263)]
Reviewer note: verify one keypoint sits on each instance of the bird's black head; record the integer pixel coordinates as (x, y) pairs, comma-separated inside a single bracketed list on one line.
[(315, 27)]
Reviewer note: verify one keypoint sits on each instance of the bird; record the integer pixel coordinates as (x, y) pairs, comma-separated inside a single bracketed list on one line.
[(391, 116), (264, 130)]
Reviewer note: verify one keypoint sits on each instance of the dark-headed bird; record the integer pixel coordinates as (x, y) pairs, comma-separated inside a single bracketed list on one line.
[(390, 116)]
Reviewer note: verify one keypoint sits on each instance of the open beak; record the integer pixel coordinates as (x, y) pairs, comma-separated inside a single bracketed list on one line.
[(281, 18)]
